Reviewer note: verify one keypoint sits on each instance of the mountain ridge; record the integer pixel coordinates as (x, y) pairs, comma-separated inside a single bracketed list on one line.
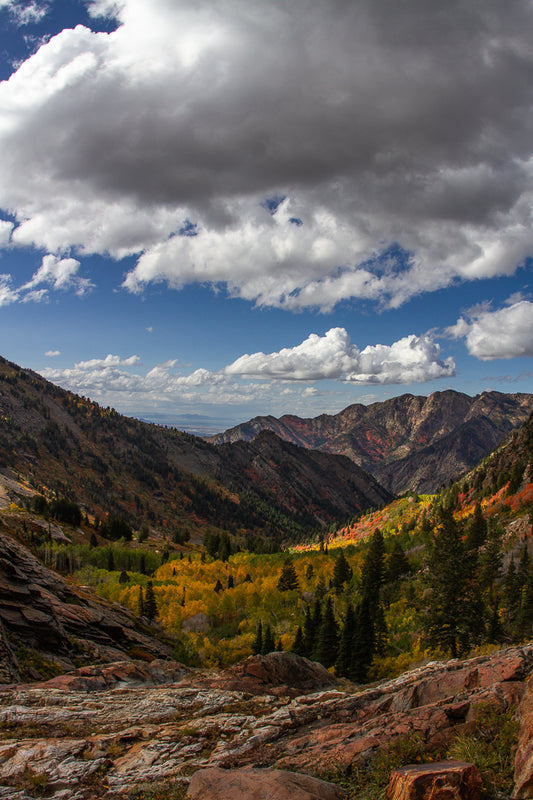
[(111, 463), (432, 438)]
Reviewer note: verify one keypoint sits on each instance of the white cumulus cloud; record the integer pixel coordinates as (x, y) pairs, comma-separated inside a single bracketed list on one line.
[(380, 123), (502, 333), (413, 359)]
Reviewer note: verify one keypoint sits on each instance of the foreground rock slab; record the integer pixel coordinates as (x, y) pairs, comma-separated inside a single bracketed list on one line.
[(259, 784), (444, 780), (107, 731)]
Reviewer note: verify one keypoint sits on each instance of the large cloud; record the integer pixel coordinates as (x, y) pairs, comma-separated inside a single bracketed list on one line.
[(257, 376), (412, 359), (380, 122), (504, 333)]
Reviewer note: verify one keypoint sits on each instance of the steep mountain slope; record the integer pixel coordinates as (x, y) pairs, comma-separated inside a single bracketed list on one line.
[(407, 442), (147, 473), (311, 479)]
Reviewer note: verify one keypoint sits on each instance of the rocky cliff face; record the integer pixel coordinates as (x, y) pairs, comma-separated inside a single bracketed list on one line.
[(102, 732), (41, 613), (407, 442)]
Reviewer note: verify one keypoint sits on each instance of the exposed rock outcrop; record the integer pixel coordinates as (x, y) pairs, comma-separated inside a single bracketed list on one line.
[(126, 725), (259, 784), (41, 610), (445, 780)]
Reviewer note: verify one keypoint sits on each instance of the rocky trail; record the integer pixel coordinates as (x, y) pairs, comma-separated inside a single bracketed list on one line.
[(103, 731)]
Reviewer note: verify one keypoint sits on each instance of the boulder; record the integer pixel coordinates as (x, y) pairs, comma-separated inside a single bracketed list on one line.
[(286, 672), (259, 784), (444, 780)]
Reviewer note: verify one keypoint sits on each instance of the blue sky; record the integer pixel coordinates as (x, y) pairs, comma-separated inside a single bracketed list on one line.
[(224, 210)]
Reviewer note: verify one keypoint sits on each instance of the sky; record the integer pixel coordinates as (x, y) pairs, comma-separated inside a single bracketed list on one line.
[(213, 210)]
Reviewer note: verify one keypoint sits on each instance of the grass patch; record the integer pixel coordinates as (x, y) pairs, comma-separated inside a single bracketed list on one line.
[(491, 746), (159, 790)]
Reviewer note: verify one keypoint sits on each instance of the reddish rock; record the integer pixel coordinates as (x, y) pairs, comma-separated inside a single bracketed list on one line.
[(523, 773), (444, 780), (287, 671), (259, 784)]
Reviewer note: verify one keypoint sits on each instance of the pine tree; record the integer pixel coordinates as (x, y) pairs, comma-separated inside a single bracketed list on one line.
[(141, 602), (398, 564), (150, 605), (308, 634), (454, 617), (345, 654), (298, 644), (218, 587), (269, 644), (342, 572), (288, 579), (316, 623), (123, 577), (477, 530), (257, 645), (110, 561), (328, 637), (231, 583)]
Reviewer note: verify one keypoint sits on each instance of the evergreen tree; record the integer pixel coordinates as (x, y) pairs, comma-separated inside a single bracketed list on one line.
[(342, 572), (93, 541), (309, 572), (288, 579), (269, 644), (142, 564), (150, 605), (279, 646), (231, 583), (363, 649), (141, 602), (123, 577), (110, 561), (298, 644), (308, 634), (257, 645), (328, 637), (218, 587), (454, 616), (316, 623), (398, 564), (477, 530), (345, 654), (373, 568)]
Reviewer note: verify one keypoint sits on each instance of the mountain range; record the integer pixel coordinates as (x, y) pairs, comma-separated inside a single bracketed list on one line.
[(407, 442), (109, 463)]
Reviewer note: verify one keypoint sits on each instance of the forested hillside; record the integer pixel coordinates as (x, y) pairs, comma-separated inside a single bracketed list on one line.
[(165, 480)]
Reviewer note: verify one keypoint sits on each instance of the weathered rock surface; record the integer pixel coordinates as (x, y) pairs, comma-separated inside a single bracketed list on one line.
[(278, 673), (444, 780), (259, 784), (109, 729), (524, 756), (41, 610)]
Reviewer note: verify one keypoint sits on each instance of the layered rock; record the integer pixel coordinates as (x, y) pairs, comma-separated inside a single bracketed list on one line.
[(446, 780), (126, 725), (40, 610)]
